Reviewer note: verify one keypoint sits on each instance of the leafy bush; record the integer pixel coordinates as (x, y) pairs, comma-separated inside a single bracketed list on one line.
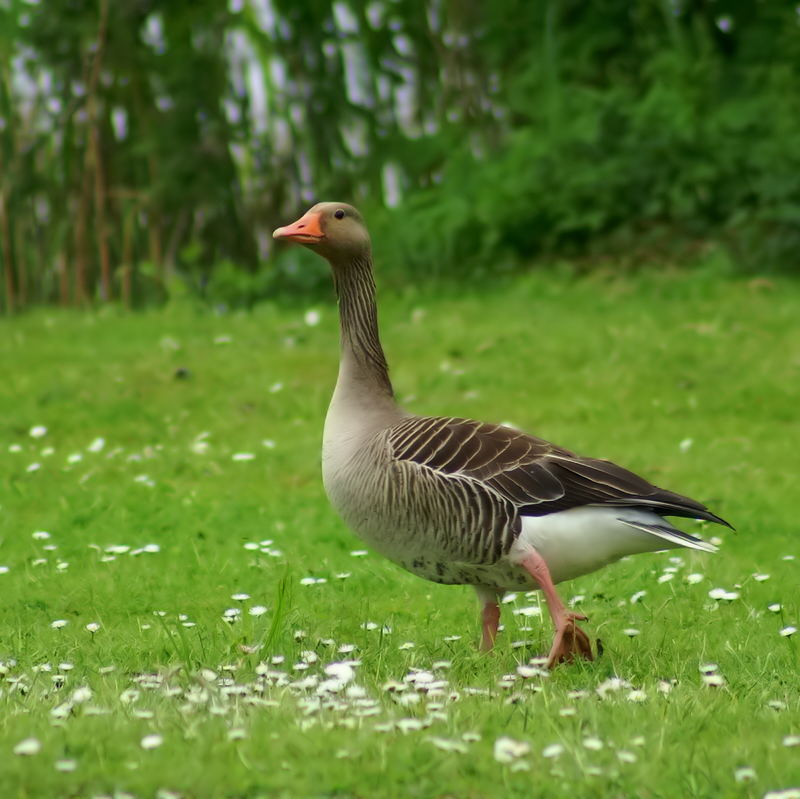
[(646, 171)]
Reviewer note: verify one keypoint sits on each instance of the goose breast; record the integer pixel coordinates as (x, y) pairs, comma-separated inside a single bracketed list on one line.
[(442, 527)]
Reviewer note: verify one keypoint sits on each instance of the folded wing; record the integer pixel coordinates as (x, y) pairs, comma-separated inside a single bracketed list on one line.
[(536, 476)]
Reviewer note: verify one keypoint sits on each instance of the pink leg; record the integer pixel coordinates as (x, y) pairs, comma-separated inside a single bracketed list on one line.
[(569, 640), (490, 617)]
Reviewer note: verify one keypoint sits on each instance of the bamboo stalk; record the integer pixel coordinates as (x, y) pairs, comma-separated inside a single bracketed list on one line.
[(100, 198), (81, 243), (63, 278), (6, 254), (80, 293), (127, 255), (8, 263), (153, 226), (142, 113), (101, 229), (20, 261)]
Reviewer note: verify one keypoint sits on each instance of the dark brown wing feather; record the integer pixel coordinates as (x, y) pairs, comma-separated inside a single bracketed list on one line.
[(535, 475)]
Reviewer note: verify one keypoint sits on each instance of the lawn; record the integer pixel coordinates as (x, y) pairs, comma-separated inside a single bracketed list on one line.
[(184, 615)]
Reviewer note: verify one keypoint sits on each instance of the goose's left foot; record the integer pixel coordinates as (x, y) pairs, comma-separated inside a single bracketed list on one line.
[(570, 641)]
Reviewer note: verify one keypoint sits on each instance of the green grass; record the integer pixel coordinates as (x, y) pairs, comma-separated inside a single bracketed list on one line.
[(616, 366)]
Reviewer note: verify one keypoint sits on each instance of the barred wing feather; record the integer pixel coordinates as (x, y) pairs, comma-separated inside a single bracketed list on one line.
[(536, 476)]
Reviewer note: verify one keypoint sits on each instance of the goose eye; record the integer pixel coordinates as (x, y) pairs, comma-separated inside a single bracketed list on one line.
[(339, 214)]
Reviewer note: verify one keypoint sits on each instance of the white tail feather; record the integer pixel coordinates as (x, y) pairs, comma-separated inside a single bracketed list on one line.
[(671, 534)]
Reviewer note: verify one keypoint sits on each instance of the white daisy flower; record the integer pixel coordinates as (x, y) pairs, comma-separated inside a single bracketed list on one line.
[(506, 749), (152, 741), (28, 746)]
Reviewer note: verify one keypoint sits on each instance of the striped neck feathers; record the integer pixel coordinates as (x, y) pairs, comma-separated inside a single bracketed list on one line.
[(362, 357)]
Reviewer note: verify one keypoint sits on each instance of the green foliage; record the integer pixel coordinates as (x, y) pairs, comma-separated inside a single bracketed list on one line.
[(478, 136), (640, 151)]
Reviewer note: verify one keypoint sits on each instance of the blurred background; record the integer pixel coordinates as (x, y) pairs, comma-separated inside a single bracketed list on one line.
[(149, 147)]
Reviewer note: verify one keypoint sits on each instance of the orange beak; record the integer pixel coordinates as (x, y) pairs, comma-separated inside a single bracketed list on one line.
[(307, 230)]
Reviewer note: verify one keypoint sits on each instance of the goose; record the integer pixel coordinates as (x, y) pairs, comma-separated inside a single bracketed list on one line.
[(459, 501)]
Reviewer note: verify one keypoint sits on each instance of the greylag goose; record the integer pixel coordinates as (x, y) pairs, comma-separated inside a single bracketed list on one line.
[(458, 501)]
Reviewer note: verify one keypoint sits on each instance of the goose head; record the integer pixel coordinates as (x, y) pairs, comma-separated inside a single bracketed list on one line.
[(334, 230)]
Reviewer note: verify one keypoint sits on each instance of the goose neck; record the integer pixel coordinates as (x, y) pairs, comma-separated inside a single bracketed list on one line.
[(362, 361)]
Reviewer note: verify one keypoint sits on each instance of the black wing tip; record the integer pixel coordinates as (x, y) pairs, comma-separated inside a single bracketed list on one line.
[(699, 513), (708, 516), (683, 509)]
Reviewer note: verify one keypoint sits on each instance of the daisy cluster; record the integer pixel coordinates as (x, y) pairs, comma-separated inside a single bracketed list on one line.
[(325, 688), (91, 458)]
